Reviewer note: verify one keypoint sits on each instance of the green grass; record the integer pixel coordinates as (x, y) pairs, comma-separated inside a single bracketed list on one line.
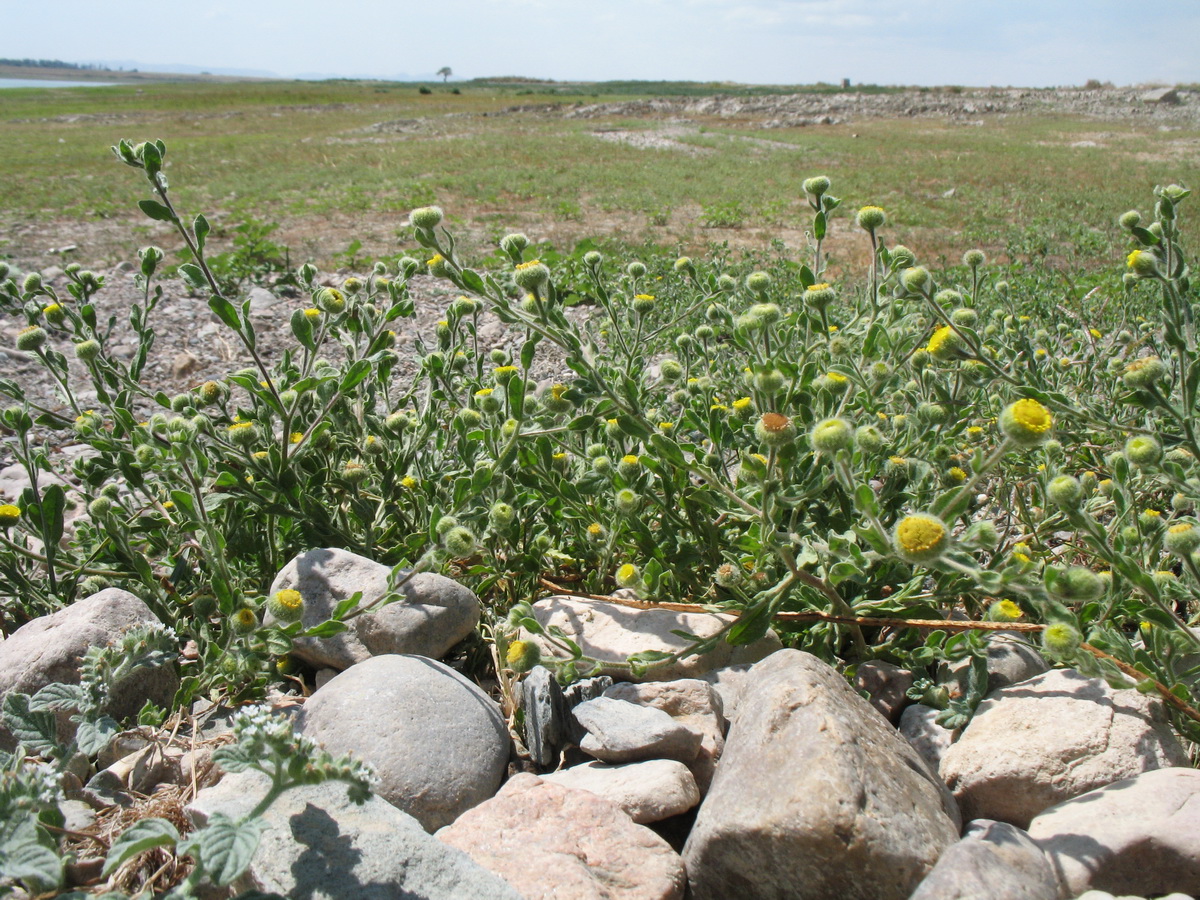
[(297, 153)]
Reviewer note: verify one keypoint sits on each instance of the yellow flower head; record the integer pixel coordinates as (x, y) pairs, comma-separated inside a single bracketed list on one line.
[(1026, 422), (312, 313), (9, 515), (408, 481), (921, 538)]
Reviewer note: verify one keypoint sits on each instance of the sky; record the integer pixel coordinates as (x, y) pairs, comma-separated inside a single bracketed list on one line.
[(1028, 43)]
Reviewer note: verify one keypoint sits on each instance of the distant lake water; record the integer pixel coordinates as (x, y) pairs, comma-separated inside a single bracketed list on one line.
[(35, 82)]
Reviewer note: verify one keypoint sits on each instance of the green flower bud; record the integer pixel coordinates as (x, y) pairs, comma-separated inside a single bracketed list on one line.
[(244, 621), (31, 338), (1182, 539), (933, 413), (636, 269), (758, 282), (1065, 492), (330, 300), (1143, 450), (964, 317), (514, 243), (501, 515), (592, 258), (684, 266), (1003, 611), (816, 186), (1061, 641), (974, 259), (100, 507), (871, 218), (426, 217), (32, 284), (902, 258), (1142, 263), (459, 541), (671, 370), (286, 606), (354, 472), (819, 296), (242, 434), (1078, 585), (627, 501), (771, 381), (1130, 220), (532, 275), (1144, 372), (831, 435), (868, 439), (915, 279), (87, 350), (522, 656)]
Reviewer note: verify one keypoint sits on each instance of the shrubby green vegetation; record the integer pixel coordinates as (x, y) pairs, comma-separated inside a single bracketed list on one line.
[(847, 461)]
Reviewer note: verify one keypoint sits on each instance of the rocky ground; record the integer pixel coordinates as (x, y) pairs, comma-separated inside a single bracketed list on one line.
[(764, 775)]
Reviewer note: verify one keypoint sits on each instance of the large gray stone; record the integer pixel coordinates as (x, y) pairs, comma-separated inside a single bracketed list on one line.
[(693, 703), (648, 791), (918, 723), (619, 731), (555, 843), (886, 685), (318, 845), (816, 796), (993, 861), (1136, 836), (611, 633), (1053, 737), (438, 743), (50, 649), (434, 614)]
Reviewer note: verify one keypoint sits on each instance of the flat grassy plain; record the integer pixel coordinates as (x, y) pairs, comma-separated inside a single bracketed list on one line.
[(334, 162)]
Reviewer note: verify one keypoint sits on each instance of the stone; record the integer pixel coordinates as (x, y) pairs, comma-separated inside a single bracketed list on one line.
[(554, 843), (549, 725), (918, 724), (1051, 738), (692, 703), (816, 796), (728, 681), (885, 684), (262, 301), (437, 742), (993, 861), (1166, 95), (433, 614), (1140, 836), (50, 649), (184, 364), (619, 731), (648, 791), (1009, 661), (321, 846), (611, 633)]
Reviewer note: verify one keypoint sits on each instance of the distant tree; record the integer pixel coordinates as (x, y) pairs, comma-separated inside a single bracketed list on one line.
[(445, 72)]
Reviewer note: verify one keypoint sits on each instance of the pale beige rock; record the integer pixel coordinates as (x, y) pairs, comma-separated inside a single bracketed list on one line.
[(918, 723), (692, 703), (1051, 738), (647, 791), (610, 632), (1136, 836), (816, 798), (50, 648), (554, 843)]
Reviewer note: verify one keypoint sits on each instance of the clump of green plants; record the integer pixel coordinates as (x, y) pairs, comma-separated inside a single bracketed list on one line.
[(846, 462)]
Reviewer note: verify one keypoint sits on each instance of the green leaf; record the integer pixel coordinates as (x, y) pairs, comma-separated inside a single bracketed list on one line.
[(225, 847), (37, 730), (57, 696), (54, 502), (807, 278), (193, 275), (345, 605), (640, 663), (200, 229), (471, 279), (528, 349), (25, 857), (143, 835), (225, 312), (325, 629), (354, 375), (819, 226), (753, 624), (156, 210), (94, 735)]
